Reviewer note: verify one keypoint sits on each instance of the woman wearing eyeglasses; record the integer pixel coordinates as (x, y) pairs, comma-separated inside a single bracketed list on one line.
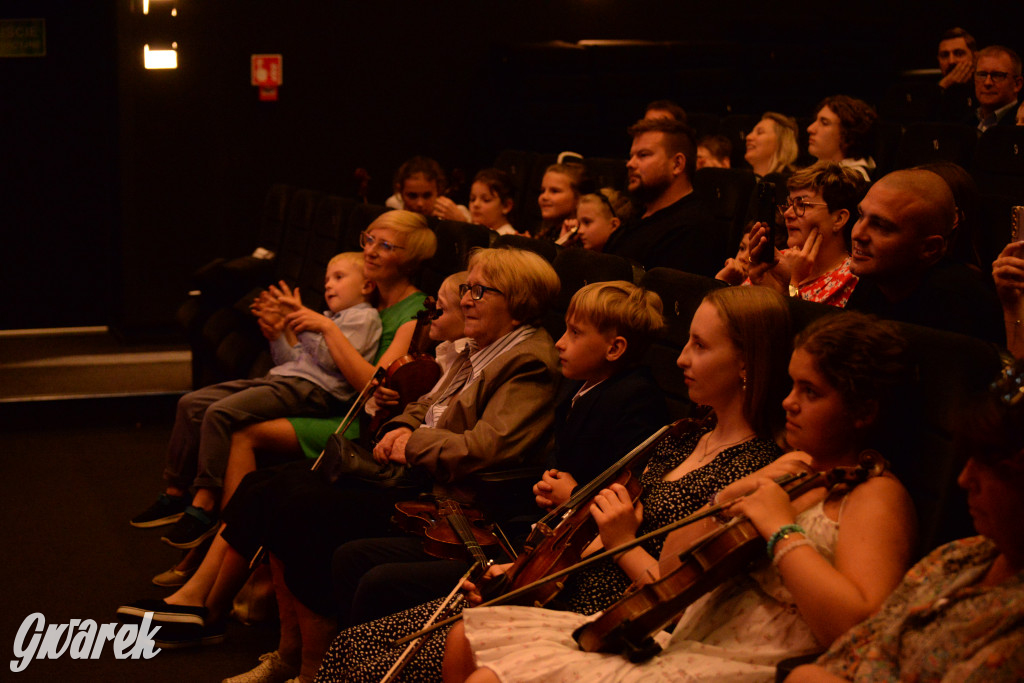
[(394, 246), (493, 409), (819, 212)]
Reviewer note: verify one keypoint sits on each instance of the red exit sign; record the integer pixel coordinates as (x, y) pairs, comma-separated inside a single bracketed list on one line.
[(267, 71)]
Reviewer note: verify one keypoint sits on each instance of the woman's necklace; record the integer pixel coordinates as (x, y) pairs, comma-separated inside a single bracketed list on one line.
[(708, 453)]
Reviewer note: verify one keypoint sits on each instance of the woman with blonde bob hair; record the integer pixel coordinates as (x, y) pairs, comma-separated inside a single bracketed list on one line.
[(492, 409)]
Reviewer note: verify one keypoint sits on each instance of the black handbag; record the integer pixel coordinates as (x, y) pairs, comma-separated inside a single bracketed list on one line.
[(346, 462)]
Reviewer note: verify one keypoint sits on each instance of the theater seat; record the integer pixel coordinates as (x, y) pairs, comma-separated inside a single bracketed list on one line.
[(542, 247), (455, 241), (577, 267), (681, 294), (923, 143)]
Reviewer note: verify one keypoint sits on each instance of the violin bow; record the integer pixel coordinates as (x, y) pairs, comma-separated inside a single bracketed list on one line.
[(346, 422), (417, 644), (617, 550)]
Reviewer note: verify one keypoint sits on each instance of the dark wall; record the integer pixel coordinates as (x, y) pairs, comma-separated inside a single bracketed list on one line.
[(139, 177), (58, 168)]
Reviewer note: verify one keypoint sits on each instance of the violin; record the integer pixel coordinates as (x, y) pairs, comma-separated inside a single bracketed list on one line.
[(629, 624), (415, 373), (450, 530), (553, 550), (554, 545)]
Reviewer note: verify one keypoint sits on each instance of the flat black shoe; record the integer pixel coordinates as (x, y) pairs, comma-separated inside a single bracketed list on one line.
[(163, 613), (194, 527), (166, 510)]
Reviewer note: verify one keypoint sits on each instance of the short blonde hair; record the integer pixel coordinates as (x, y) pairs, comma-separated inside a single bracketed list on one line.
[(527, 280), (631, 312), (354, 257), (420, 241), (449, 289), (614, 203), (758, 322)]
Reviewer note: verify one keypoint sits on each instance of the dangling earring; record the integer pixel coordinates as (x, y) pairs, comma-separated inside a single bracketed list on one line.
[(744, 378)]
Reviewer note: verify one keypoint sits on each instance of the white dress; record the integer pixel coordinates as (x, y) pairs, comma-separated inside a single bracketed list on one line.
[(738, 632)]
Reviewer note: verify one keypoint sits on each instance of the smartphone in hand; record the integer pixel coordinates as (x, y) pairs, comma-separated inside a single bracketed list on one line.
[(766, 208)]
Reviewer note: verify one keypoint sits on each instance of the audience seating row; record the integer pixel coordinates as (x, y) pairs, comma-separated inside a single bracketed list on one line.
[(226, 342), (995, 160), (919, 444)]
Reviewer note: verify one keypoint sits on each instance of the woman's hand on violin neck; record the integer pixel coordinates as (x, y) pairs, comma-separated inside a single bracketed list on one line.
[(472, 591), (385, 397), (767, 506), (616, 517), (793, 462)]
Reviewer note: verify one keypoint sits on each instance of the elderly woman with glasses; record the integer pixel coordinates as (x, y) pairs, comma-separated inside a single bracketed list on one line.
[(493, 409), (815, 266)]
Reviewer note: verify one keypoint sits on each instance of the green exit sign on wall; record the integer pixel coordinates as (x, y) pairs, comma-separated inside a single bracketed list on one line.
[(22, 37)]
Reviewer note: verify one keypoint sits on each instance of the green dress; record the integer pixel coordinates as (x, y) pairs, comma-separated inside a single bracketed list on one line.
[(313, 432)]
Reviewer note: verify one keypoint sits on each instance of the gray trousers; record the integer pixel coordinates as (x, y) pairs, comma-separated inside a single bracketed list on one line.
[(197, 456)]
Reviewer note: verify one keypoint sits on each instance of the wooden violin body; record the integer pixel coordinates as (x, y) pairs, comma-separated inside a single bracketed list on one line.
[(413, 374), (554, 546), (450, 530), (726, 551)]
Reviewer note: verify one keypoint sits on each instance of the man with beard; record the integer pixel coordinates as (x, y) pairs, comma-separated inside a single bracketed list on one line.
[(676, 228)]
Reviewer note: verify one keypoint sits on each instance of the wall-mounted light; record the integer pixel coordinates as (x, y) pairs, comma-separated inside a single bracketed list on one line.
[(160, 59), (145, 6)]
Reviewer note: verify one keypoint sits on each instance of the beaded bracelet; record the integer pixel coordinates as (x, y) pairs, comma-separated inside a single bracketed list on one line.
[(782, 534), (791, 546)]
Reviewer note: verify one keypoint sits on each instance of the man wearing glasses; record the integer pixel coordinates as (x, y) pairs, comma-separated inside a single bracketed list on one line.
[(997, 83)]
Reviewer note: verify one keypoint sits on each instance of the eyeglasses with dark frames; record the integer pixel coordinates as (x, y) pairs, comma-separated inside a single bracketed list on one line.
[(799, 206), (477, 291), (368, 240), (996, 76)]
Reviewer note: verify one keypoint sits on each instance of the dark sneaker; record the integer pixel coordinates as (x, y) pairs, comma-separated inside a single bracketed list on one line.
[(163, 613), (175, 636), (194, 527), (166, 510)]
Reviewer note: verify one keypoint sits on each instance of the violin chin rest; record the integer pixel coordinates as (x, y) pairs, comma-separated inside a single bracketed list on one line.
[(642, 652)]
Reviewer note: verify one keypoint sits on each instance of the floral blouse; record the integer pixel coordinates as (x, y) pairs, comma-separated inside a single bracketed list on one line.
[(833, 288), (939, 625)]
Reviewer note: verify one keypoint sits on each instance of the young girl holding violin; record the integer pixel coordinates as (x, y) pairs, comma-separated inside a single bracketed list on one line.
[(833, 555), (734, 361)]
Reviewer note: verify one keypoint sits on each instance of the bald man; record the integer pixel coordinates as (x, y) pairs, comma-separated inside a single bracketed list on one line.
[(899, 243)]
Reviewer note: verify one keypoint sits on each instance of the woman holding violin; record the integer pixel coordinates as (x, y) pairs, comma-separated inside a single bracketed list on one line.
[(492, 409), (833, 554), (958, 615), (734, 360)]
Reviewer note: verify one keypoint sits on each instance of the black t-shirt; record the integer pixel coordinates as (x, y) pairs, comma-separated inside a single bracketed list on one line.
[(683, 235), (951, 297)]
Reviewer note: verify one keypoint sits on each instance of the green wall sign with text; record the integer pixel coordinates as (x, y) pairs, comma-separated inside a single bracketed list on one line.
[(22, 37)]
